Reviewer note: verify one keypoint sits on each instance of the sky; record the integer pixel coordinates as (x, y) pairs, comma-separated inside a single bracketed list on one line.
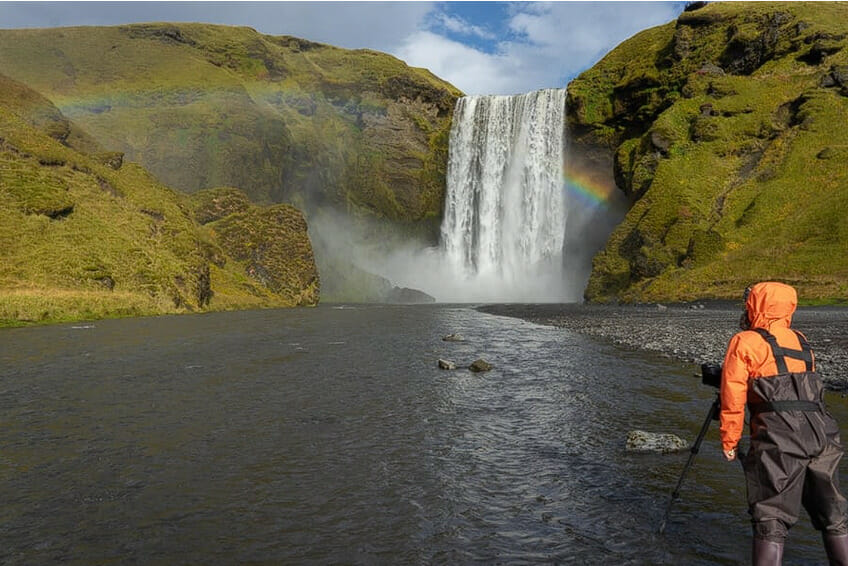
[(480, 47)]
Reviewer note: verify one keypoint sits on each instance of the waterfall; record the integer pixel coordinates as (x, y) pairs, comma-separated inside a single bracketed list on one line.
[(504, 220), (504, 235)]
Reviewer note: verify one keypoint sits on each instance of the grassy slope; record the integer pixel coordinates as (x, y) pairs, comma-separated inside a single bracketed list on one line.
[(737, 176), (284, 119), (80, 239)]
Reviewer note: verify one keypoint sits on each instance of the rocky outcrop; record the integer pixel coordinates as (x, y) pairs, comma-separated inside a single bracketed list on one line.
[(272, 245), (720, 128)]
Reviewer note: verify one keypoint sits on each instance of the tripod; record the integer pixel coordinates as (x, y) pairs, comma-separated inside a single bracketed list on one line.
[(712, 414)]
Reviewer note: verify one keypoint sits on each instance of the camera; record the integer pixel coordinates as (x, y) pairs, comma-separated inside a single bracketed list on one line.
[(711, 374)]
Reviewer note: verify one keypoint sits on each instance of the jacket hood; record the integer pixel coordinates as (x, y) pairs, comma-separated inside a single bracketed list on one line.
[(771, 304)]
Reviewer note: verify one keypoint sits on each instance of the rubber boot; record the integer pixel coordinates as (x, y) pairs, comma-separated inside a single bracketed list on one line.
[(766, 552), (836, 547)]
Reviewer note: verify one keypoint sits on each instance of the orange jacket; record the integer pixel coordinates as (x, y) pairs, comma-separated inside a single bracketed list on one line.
[(770, 306)]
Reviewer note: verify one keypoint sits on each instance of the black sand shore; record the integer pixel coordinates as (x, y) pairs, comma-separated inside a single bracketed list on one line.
[(694, 333)]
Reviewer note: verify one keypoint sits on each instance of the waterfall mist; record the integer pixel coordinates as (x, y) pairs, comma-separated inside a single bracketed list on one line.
[(514, 228)]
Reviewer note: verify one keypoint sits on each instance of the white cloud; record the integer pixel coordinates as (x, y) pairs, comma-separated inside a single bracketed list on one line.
[(555, 42), (471, 70), (586, 28), (462, 27)]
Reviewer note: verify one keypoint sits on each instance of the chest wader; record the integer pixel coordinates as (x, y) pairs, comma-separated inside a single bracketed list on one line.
[(795, 453)]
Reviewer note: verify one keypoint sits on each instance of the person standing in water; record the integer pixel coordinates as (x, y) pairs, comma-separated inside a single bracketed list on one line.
[(795, 448)]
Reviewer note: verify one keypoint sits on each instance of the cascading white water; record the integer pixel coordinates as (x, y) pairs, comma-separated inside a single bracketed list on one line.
[(504, 222)]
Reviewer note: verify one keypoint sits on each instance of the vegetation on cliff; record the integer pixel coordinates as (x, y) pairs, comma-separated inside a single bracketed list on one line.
[(271, 242), (84, 235), (726, 129), (284, 119)]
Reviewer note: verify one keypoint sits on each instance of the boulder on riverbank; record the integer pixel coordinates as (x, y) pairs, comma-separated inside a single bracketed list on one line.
[(658, 443)]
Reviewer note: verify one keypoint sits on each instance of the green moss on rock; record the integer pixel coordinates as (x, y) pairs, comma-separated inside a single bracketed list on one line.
[(214, 204), (273, 246), (721, 125)]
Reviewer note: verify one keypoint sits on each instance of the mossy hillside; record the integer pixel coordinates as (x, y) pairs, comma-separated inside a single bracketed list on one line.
[(40, 113), (731, 157), (271, 244), (284, 119), (84, 239), (187, 121), (72, 229)]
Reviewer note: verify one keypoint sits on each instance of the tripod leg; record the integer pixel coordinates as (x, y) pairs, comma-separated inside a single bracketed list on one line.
[(696, 447)]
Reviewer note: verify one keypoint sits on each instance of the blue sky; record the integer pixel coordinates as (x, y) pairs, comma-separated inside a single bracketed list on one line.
[(481, 47)]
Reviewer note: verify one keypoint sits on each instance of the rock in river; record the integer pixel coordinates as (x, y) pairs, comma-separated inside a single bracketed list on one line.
[(480, 365), (661, 443), (446, 364)]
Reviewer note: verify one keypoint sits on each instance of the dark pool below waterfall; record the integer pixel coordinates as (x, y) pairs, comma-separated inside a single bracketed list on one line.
[(328, 436)]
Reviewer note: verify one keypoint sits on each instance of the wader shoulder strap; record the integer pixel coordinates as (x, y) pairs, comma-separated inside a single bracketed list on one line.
[(805, 353)]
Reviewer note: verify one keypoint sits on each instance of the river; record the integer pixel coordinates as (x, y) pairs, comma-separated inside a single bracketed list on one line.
[(329, 436)]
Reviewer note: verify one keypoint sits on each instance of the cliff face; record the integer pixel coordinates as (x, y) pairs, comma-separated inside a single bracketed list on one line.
[(84, 235), (727, 131), (284, 119)]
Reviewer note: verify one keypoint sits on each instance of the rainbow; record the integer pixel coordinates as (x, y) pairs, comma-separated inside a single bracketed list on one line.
[(580, 183), (587, 188), (95, 100)]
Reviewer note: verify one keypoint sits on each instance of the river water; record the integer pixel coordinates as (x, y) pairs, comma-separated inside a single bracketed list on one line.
[(329, 436)]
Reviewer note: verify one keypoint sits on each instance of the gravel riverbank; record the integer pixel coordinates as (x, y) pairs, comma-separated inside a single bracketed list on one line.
[(694, 333)]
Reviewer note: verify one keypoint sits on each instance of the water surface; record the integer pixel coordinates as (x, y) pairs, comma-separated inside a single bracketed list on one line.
[(328, 435)]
